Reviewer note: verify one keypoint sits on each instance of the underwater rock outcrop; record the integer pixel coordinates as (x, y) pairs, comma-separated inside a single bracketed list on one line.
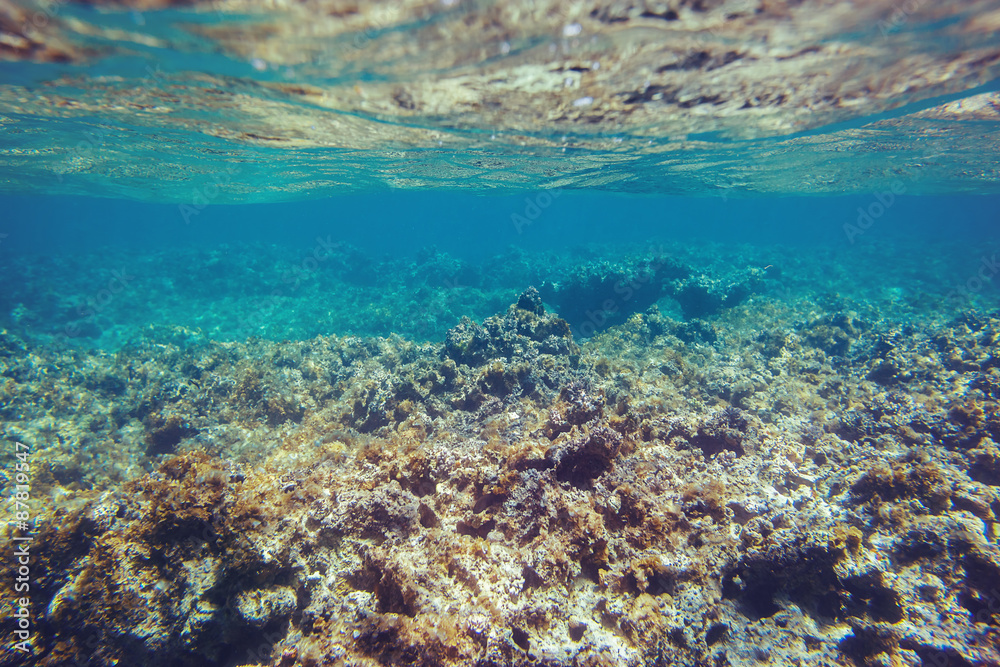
[(509, 497), (703, 295), (523, 332), (594, 296), (419, 298), (525, 352)]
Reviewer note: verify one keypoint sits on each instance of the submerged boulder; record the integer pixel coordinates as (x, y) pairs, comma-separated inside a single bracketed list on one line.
[(524, 331), (601, 294), (702, 295)]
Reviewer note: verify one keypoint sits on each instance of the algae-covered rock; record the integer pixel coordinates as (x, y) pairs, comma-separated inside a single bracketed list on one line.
[(524, 331), (734, 489), (600, 294), (260, 607), (703, 295)]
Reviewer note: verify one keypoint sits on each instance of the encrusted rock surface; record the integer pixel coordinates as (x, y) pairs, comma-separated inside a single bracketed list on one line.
[(511, 498)]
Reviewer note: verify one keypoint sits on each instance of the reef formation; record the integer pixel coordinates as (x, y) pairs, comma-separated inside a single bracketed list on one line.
[(736, 489)]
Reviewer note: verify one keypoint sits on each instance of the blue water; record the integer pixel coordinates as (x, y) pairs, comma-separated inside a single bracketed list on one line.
[(468, 226), (262, 174), (546, 265), (399, 253)]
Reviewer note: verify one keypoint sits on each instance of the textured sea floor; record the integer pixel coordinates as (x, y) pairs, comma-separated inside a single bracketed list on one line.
[(691, 455)]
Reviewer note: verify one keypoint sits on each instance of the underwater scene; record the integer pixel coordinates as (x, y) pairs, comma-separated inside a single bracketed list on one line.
[(442, 333)]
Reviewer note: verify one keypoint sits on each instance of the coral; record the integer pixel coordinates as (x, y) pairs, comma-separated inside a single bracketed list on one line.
[(704, 295), (600, 294), (833, 334), (525, 331), (666, 492)]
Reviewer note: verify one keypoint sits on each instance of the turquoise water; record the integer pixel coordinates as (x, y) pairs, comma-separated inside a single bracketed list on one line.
[(412, 264), (461, 332)]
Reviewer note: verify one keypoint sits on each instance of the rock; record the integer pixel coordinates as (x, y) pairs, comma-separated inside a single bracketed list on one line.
[(260, 607)]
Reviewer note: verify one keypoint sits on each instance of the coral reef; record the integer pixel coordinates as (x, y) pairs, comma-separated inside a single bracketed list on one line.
[(283, 293), (668, 492), (599, 294)]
